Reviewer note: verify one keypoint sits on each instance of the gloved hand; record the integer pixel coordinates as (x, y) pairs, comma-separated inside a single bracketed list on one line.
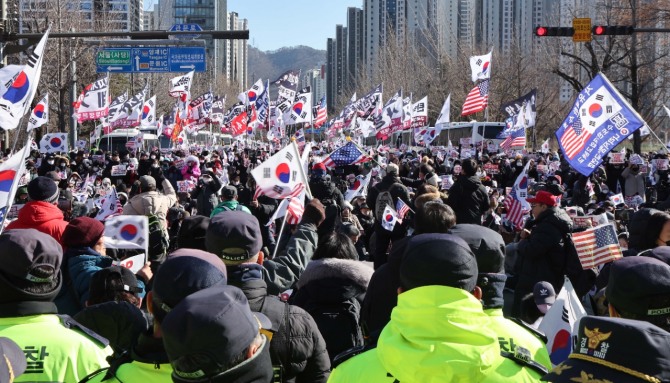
[(314, 212)]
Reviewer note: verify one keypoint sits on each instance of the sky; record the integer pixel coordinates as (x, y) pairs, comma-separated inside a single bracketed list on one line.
[(274, 24)]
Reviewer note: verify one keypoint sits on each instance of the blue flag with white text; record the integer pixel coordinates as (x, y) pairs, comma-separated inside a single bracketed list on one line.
[(598, 121)]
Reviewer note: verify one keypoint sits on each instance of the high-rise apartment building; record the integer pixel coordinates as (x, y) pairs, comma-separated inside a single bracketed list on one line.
[(316, 80), (236, 52), (92, 15), (209, 14)]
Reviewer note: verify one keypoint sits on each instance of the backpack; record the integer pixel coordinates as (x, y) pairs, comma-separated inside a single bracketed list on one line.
[(582, 280), (383, 198), (159, 242), (338, 324)]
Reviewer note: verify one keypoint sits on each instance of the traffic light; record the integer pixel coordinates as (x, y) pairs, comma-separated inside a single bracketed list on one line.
[(600, 30), (554, 31)]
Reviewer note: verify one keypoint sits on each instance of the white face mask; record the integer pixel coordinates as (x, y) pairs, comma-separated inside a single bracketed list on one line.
[(50, 162)]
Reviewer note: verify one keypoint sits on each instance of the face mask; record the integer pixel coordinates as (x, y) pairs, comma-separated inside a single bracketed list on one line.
[(519, 163), (155, 166), (50, 162), (95, 169), (62, 165), (605, 191), (153, 157), (97, 184), (236, 182), (478, 174)]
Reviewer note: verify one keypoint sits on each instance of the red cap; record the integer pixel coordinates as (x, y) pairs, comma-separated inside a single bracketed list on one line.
[(319, 166), (543, 197)]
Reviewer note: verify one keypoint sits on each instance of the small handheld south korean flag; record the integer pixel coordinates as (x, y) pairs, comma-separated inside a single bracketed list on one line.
[(127, 232), (280, 175), (389, 218)]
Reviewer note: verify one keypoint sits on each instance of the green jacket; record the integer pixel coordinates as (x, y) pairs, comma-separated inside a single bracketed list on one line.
[(511, 335), (436, 334), (54, 353), (231, 205)]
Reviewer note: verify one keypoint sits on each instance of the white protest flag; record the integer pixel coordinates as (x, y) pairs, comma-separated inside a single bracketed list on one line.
[(127, 232), (559, 323), (389, 218), (10, 173), (481, 67), (93, 102), (14, 103), (149, 112), (53, 142), (40, 114), (444, 118), (280, 175), (116, 108), (359, 187), (181, 85), (108, 204)]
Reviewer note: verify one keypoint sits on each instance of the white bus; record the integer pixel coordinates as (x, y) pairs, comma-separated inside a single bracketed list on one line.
[(116, 140)]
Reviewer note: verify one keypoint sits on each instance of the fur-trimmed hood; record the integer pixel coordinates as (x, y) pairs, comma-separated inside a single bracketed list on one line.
[(355, 271)]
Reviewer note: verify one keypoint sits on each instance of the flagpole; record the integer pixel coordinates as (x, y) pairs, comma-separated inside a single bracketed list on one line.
[(302, 169), (12, 191), (281, 230)]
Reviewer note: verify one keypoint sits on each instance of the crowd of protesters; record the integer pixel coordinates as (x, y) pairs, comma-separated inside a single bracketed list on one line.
[(455, 292)]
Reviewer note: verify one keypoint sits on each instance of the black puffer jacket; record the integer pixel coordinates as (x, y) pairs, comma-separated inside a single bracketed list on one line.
[(468, 198), (394, 186), (326, 191), (331, 286), (541, 256), (297, 343)]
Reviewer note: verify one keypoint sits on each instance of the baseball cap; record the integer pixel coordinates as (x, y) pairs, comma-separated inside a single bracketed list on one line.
[(229, 191), (438, 259), (213, 326), (29, 258), (102, 283), (147, 182), (487, 245), (616, 350), (543, 197), (544, 293), (184, 272), (12, 360), (319, 166), (235, 236), (635, 283)]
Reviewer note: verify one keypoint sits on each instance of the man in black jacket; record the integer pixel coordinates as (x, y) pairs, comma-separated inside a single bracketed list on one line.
[(298, 350), (541, 250), (468, 197), (396, 190)]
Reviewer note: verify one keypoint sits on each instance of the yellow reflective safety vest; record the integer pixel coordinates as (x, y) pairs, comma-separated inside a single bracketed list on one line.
[(54, 352), (436, 334)]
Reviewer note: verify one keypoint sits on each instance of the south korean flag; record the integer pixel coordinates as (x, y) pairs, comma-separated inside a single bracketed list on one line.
[(54, 142)]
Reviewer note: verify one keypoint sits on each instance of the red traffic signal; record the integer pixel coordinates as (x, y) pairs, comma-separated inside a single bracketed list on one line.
[(600, 30), (541, 31)]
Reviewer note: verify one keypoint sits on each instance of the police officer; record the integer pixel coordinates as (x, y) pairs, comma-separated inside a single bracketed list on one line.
[(57, 348)]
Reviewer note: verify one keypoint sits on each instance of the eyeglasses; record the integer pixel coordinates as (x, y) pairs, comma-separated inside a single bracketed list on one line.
[(532, 205)]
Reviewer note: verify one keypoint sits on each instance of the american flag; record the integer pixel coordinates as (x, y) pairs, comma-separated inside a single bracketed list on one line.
[(295, 209), (516, 138), (477, 99), (514, 209), (322, 114), (597, 246), (402, 208), (573, 139), (349, 154)]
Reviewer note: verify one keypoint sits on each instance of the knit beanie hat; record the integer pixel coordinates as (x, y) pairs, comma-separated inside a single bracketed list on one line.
[(43, 189)]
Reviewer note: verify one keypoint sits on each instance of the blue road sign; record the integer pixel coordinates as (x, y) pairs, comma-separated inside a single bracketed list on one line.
[(151, 59), (186, 28)]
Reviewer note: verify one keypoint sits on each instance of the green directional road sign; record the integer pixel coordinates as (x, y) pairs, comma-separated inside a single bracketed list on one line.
[(113, 57)]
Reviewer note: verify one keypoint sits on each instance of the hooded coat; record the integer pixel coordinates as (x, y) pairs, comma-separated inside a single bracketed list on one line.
[(436, 334), (41, 216), (333, 283)]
